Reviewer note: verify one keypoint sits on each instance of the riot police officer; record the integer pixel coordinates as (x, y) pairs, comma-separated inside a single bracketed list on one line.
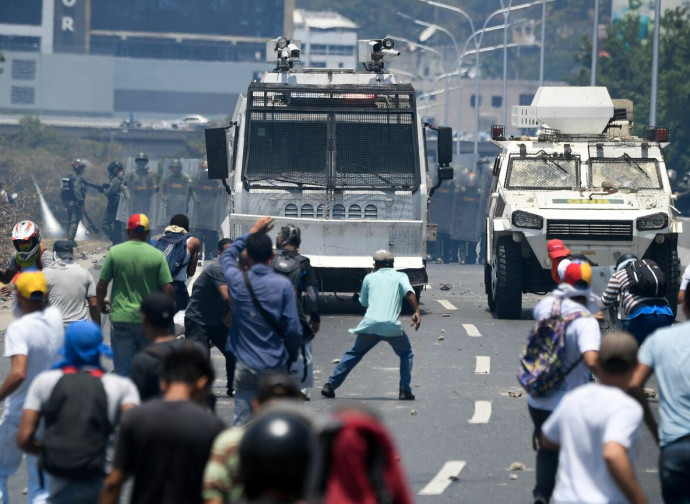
[(209, 211), (176, 190), (142, 185), (116, 188), (73, 195)]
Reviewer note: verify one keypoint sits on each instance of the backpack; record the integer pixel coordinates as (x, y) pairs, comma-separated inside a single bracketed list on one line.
[(174, 248), (77, 428), (646, 278), (290, 266), (541, 363), (67, 189)]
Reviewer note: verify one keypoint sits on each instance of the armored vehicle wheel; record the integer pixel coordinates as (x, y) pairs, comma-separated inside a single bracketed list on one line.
[(488, 288), (666, 256), (506, 279)]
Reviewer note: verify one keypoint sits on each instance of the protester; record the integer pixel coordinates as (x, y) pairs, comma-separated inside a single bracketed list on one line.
[(666, 353), (181, 251), (157, 311), (221, 477), (31, 343), (29, 253), (208, 309), (265, 333), (642, 315), (80, 405), (71, 288), (382, 295), (164, 444), (275, 456), (136, 269), (582, 338), (683, 285), (596, 428), (557, 253), (290, 263)]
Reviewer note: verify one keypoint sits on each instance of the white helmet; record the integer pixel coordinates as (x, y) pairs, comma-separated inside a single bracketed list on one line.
[(26, 231)]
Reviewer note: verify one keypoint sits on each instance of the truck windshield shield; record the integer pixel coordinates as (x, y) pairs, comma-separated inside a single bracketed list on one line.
[(624, 173), (543, 172)]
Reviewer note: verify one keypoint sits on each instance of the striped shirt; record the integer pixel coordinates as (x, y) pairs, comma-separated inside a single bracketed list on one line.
[(221, 477), (617, 291)]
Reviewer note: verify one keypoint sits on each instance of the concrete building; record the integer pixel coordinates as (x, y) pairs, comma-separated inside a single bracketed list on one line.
[(328, 39)]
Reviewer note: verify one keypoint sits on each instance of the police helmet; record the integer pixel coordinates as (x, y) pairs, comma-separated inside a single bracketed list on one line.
[(79, 164), (672, 175), (275, 452), (115, 167), (175, 163), (142, 156), (289, 235), (624, 260)]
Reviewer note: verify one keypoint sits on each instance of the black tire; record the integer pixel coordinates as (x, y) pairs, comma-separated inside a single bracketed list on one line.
[(666, 256), (506, 279), (487, 288)]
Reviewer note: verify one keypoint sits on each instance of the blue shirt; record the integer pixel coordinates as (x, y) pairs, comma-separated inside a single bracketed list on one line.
[(251, 339), (667, 352), (382, 295)]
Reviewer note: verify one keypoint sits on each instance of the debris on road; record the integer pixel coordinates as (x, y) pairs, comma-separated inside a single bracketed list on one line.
[(514, 394), (513, 476), (441, 338), (446, 286), (517, 466), (413, 412), (443, 330), (336, 361)]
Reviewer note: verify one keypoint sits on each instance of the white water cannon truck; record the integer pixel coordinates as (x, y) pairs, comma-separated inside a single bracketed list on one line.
[(337, 152), (584, 179)]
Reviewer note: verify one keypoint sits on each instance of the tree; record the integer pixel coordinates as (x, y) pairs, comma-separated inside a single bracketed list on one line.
[(624, 67)]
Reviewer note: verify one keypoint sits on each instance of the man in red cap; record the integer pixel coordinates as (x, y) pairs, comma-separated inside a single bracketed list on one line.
[(557, 252), (136, 269)]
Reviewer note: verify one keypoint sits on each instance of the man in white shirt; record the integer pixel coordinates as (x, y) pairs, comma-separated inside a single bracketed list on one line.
[(31, 342), (71, 288), (596, 428)]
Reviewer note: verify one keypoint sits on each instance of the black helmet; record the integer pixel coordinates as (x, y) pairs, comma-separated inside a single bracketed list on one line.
[(275, 452), (115, 167), (79, 164), (289, 235), (624, 258), (142, 156), (175, 163)]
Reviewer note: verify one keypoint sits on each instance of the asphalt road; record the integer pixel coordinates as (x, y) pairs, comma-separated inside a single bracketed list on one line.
[(461, 436)]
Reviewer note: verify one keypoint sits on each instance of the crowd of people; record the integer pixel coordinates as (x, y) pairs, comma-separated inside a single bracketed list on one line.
[(86, 432)]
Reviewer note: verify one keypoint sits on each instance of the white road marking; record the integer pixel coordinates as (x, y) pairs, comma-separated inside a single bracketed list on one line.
[(483, 365), (446, 304), (472, 330), (482, 412), (448, 473)]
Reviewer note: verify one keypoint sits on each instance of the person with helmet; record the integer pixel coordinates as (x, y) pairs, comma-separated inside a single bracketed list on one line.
[(73, 196), (290, 263), (641, 315), (29, 252), (209, 211), (116, 188), (176, 190), (142, 185)]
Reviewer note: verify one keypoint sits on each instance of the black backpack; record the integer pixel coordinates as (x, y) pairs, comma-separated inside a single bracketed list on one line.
[(67, 189), (291, 266), (646, 278), (174, 248), (77, 428)]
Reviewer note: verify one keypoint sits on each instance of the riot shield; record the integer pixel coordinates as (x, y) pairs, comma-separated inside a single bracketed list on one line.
[(144, 194), (176, 189), (208, 203)]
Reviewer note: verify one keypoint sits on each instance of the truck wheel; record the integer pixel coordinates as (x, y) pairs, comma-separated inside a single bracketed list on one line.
[(506, 279), (488, 288), (666, 256)]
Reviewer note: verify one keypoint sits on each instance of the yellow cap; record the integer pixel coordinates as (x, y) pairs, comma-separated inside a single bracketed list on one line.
[(31, 285)]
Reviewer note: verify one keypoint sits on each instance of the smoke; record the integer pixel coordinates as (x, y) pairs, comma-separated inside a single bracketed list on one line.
[(51, 228)]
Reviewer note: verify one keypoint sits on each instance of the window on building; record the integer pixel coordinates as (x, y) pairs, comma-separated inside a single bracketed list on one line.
[(21, 95), (23, 69), (496, 101), (318, 64), (526, 98), (473, 100), (318, 49)]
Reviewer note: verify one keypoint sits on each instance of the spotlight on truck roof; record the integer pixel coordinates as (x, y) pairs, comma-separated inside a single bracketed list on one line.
[(371, 53), (284, 51)]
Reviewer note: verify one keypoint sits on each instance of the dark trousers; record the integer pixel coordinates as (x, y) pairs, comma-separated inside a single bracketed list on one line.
[(644, 325), (547, 460), (218, 335), (112, 228), (181, 295), (674, 471)]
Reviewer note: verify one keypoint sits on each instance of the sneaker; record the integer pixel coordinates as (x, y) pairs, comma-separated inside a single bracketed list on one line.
[(305, 394), (327, 391), (405, 395), (230, 392)]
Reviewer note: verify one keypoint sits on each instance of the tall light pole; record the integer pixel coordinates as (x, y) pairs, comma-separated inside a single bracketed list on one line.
[(504, 99), (655, 63), (541, 48), (595, 44)]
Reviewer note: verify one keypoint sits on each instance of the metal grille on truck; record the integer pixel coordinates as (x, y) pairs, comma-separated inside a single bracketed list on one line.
[(589, 230)]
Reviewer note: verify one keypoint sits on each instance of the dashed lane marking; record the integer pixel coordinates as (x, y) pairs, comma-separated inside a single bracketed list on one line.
[(446, 304), (472, 330), (483, 365), (448, 473), (482, 412)]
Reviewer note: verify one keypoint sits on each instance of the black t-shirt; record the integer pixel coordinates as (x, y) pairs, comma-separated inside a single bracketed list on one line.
[(205, 306), (147, 367), (165, 445)]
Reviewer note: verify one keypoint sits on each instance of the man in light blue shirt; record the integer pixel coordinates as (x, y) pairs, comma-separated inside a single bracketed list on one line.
[(667, 353), (382, 295)]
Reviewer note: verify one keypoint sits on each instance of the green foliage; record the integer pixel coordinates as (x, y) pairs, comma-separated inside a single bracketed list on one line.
[(625, 69)]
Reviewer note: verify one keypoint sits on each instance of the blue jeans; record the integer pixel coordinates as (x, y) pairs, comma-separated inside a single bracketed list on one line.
[(126, 339), (645, 324), (79, 492), (674, 471), (246, 384), (365, 342)]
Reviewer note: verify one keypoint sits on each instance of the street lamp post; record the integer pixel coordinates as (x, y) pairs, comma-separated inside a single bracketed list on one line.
[(655, 63), (595, 44)]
